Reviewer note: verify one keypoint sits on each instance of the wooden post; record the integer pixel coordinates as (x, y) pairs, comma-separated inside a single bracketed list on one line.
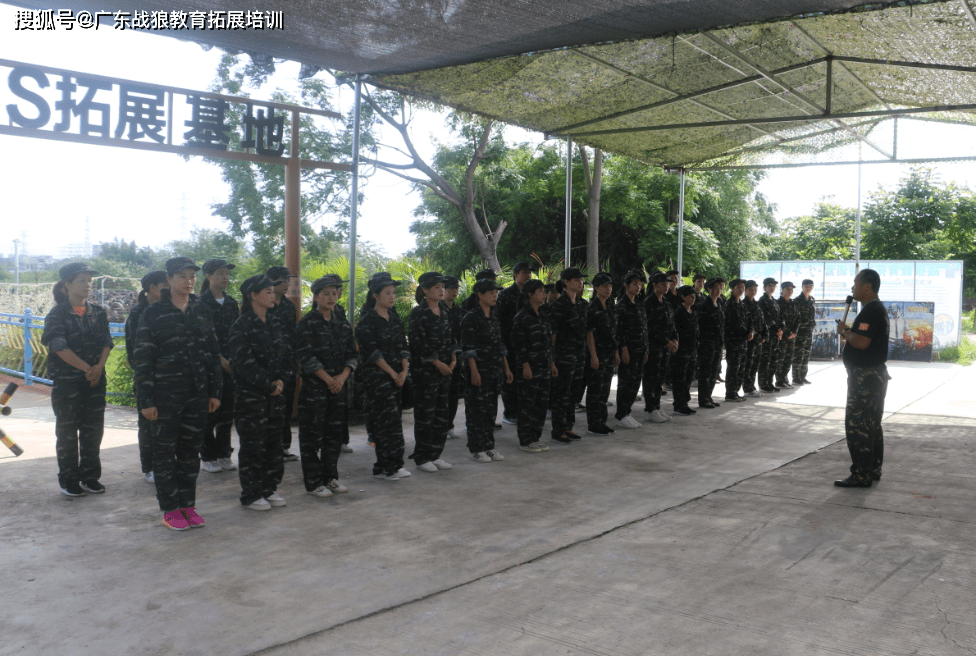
[(293, 212)]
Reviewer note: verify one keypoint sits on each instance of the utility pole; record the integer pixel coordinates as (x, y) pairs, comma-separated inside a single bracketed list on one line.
[(17, 263)]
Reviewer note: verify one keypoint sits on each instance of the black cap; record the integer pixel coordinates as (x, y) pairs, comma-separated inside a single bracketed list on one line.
[(483, 286), (685, 290), (176, 264), (699, 276), (736, 281), (658, 277), (153, 278), (485, 274), (769, 281), (330, 280), (531, 286), (751, 283), (712, 281), (601, 278), (571, 273), (255, 284), (550, 288), (521, 266), (431, 278), (378, 282), (633, 275), (786, 283), (69, 271), (807, 281), (673, 272), (279, 272), (450, 282), (213, 264)]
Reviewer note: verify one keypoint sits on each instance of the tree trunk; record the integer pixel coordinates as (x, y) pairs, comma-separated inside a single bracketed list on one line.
[(594, 185)]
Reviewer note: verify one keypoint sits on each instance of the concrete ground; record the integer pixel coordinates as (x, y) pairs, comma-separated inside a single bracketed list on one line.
[(714, 534)]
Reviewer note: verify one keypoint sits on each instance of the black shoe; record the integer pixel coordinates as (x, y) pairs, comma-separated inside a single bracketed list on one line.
[(769, 390), (573, 436), (605, 427), (72, 490), (664, 392), (714, 402), (852, 481), (92, 487), (599, 430), (807, 382), (797, 381), (875, 476), (784, 385), (684, 412), (709, 405), (562, 439)]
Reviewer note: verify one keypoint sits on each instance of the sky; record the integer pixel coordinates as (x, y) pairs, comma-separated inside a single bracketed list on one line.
[(52, 190)]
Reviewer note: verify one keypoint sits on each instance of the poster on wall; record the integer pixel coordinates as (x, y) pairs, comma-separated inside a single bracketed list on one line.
[(759, 271), (826, 341), (897, 279), (941, 283), (838, 278), (910, 330)]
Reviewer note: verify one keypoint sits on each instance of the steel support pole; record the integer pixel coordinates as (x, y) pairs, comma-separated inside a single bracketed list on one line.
[(293, 211), (569, 199), (857, 230), (354, 201), (681, 224)]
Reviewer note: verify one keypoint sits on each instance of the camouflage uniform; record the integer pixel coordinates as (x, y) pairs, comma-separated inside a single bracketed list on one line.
[(602, 322), (674, 302), (260, 353), (788, 309), (683, 361), (456, 390), (755, 346), (79, 406), (568, 322), (177, 369), (287, 314), (711, 332), (738, 325), (506, 309), (771, 357), (532, 343), (383, 339), (340, 312), (807, 309), (145, 436), (481, 339), (632, 333), (431, 338), (216, 439), (660, 331)]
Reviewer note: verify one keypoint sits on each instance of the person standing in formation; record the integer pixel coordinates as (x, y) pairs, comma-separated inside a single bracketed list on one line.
[(671, 298), (684, 359), (286, 312), (771, 355), (216, 451), (601, 340), (383, 346), (662, 339), (487, 366), (632, 335), (433, 358), (791, 323), (261, 361), (699, 283), (508, 300), (77, 332), (452, 286), (865, 357), (152, 285), (179, 380), (340, 312), (567, 317), (326, 353), (533, 365), (807, 309), (738, 334), (711, 331), (755, 345)]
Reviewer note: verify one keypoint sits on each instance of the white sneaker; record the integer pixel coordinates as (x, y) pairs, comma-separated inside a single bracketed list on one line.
[(347, 449), (440, 463), (226, 464), (275, 500), (288, 456), (660, 413), (210, 466), (628, 422), (403, 473), (755, 393), (453, 435), (336, 487), (494, 455), (321, 491), (260, 504), (481, 456), (384, 477), (656, 417), (149, 477), (511, 422), (427, 467), (533, 447)]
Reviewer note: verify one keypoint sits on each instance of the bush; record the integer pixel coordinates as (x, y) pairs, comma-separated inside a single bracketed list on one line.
[(964, 354)]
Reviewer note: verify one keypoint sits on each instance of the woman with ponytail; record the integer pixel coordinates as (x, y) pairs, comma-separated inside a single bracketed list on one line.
[(77, 333)]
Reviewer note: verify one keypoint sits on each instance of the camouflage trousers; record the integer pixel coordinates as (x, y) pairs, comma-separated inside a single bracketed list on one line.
[(753, 351), (709, 360), (261, 467), (382, 400), (735, 369), (655, 370), (801, 352), (628, 383), (769, 361), (480, 410), (145, 444), (565, 389), (786, 359), (598, 390), (510, 399), (289, 397), (321, 430), (682, 373), (216, 438), (430, 425), (454, 394), (866, 390), (79, 411), (177, 435), (533, 402)]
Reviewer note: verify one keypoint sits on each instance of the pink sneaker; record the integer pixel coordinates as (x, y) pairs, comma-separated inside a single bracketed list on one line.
[(175, 520), (193, 518)]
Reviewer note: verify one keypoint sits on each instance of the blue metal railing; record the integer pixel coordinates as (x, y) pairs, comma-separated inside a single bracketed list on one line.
[(27, 322)]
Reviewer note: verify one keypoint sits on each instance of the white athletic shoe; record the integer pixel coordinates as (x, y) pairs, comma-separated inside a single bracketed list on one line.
[(226, 464), (453, 434), (756, 393), (336, 487), (276, 500), (211, 466), (403, 473), (346, 448), (656, 417), (533, 447), (511, 422), (321, 492), (660, 413), (384, 477), (628, 422), (440, 463), (427, 467), (481, 456), (260, 504), (149, 477), (494, 455)]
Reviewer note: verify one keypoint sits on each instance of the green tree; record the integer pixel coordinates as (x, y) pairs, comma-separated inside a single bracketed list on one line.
[(827, 234)]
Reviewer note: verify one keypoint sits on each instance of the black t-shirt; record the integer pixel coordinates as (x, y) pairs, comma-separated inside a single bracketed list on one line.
[(871, 321)]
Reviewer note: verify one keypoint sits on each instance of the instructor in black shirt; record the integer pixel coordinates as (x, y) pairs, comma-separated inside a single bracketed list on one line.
[(865, 355)]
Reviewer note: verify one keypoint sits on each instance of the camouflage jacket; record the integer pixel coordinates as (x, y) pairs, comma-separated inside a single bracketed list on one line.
[(531, 340), (711, 321), (381, 339), (506, 309), (631, 325), (660, 322), (87, 336), (568, 323), (322, 344), (790, 311), (431, 336), (224, 315), (260, 353), (602, 322), (738, 323), (131, 326), (771, 315), (686, 323), (807, 309), (481, 339), (758, 323)]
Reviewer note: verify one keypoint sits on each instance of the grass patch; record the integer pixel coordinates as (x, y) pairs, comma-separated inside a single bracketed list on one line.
[(964, 354), (968, 321)]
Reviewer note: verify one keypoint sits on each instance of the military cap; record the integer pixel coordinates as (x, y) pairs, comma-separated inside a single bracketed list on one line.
[(377, 282), (213, 264), (550, 288), (699, 276), (685, 290), (450, 282), (153, 278), (431, 278), (736, 281), (807, 281), (176, 264), (531, 286), (69, 271), (633, 275), (601, 278), (485, 285), (751, 283), (673, 272), (712, 281), (786, 284), (522, 266), (255, 284), (571, 273), (330, 280), (485, 274), (659, 277), (279, 272), (769, 281)]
